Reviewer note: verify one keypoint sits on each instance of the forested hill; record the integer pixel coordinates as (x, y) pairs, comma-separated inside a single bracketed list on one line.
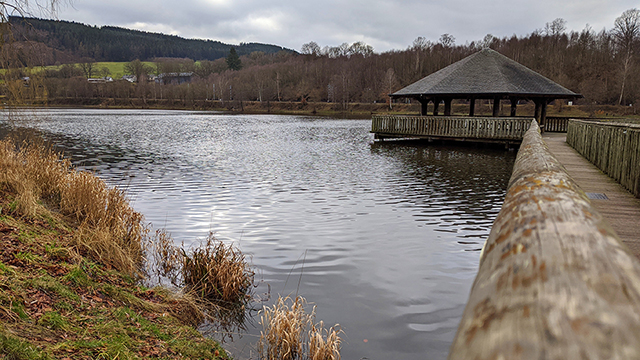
[(73, 40)]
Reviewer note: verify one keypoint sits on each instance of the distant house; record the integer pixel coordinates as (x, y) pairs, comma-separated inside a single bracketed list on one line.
[(130, 78), (174, 78), (100, 80)]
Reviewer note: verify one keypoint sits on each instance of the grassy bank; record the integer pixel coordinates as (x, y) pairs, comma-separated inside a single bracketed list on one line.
[(71, 260)]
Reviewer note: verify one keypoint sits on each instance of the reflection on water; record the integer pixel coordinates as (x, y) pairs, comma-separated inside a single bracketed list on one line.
[(382, 237)]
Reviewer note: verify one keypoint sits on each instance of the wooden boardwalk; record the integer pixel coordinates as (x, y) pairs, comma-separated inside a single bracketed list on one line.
[(622, 209)]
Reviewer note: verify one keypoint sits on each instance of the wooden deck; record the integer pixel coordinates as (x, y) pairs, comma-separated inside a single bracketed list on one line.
[(622, 209), (508, 130)]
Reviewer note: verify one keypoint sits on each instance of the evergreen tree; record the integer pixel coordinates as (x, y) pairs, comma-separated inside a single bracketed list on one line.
[(233, 60)]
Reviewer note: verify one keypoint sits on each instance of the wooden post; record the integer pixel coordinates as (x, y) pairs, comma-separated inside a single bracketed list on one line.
[(472, 106), (436, 104), (555, 281), (447, 107), (543, 115), (496, 107), (536, 113), (514, 106), (424, 104)]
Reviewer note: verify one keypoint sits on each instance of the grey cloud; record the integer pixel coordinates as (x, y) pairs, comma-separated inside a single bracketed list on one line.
[(385, 25)]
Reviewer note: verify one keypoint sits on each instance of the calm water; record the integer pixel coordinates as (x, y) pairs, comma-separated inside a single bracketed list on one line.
[(383, 237)]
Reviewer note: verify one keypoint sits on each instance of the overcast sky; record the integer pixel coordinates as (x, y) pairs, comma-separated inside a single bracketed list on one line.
[(385, 25)]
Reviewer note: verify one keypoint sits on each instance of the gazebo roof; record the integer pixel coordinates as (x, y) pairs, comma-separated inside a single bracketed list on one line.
[(486, 73)]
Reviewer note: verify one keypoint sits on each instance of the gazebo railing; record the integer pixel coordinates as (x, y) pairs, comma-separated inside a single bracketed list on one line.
[(454, 127)]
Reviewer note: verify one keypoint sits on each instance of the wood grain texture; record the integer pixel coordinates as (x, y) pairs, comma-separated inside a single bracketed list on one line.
[(554, 282)]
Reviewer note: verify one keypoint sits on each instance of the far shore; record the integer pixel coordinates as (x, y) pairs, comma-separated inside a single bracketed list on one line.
[(351, 110)]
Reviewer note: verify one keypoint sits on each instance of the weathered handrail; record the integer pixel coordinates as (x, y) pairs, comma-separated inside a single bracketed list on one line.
[(450, 127), (613, 147), (556, 124), (554, 282)]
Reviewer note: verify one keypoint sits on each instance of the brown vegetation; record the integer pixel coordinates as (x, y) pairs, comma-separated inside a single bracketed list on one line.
[(109, 230), (218, 272), (289, 333)]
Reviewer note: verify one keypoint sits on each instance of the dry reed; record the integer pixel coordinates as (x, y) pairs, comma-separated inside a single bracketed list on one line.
[(166, 258), (109, 229), (289, 333), (218, 273)]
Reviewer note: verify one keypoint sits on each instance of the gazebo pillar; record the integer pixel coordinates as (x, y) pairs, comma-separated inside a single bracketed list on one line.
[(436, 104), (472, 106), (447, 107), (423, 108), (496, 106), (543, 115), (537, 111), (514, 106)]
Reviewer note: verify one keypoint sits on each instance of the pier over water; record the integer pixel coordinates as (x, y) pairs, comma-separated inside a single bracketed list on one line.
[(555, 280)]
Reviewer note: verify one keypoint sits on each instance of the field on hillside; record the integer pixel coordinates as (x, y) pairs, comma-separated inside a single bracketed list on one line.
[(113, 69)]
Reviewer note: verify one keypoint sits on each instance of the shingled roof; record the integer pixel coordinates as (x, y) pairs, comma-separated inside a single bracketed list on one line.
[(486, 73)]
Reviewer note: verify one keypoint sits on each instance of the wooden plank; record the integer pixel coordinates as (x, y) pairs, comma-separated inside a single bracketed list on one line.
[(621, 209), (554, 282), (612, 147)]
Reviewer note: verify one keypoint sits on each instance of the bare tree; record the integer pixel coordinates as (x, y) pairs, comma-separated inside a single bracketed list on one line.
[(138, 69), (390, 83), (311, 48), (488, 40), (447, 40), (25, 8), (360, 48), (556, 27), (88, 67), (626, 32)]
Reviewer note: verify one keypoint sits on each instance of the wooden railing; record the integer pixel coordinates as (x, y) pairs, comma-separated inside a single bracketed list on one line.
[(485, 128), (555, 124), (555, 281), (612, 147)]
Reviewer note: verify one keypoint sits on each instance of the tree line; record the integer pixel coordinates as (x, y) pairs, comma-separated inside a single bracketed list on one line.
[(603, 66), (64, 40)]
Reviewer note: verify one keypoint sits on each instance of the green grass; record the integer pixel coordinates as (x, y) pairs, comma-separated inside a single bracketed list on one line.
[(115, 69), (55, 303)]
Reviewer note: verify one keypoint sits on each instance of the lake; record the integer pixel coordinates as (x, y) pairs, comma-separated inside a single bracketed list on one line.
[(383, 237)]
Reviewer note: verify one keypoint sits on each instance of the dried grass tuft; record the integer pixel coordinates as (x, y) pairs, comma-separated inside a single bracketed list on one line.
[(289, 333), (324, 344), (218, 273)]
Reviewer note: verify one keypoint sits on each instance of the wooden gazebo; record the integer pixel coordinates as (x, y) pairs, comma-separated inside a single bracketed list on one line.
[(486, 74)]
